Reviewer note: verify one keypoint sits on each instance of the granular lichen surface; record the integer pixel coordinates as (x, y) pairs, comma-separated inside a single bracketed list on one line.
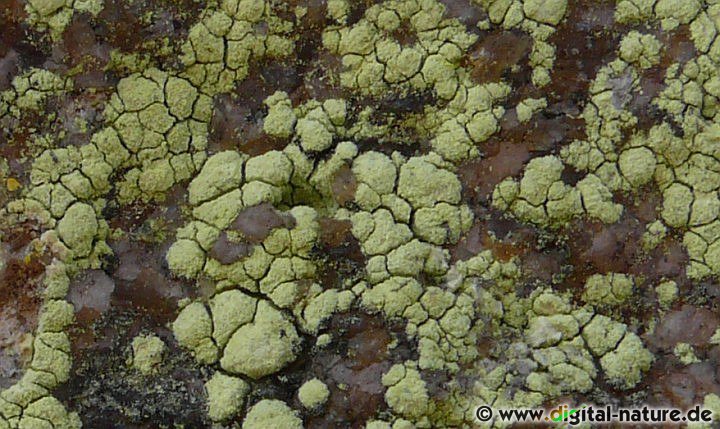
[(362, 214)]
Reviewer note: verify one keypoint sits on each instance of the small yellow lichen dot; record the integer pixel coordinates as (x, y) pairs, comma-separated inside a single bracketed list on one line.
[(12, 184)]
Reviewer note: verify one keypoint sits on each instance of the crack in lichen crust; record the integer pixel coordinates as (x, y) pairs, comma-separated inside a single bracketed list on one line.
[(378, 193), (155, 136), (55, 15)]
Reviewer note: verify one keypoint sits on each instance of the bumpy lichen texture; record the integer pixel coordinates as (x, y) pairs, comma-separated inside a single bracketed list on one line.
[(147, 353), (313, 393), (406, 207), (55, 15)]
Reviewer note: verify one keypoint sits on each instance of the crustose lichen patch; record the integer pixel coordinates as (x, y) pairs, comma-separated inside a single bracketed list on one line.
[(380, 214)]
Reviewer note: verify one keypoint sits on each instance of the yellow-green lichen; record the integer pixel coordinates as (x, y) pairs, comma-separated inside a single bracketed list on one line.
[(55, 15), (220, 46), (685, 353), (541, 197), (545, 11), (226, 396), (185, 257), (526, 108), (406, 392), (261, 347), (667, 292), (624, 365), (538, 19), (640, 49), (405, 210), (271, 413), (313, 393), (147, 353), (193, 329), (280, 120), (377, 62), (30, 90), (608, 290), (29, 402)]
